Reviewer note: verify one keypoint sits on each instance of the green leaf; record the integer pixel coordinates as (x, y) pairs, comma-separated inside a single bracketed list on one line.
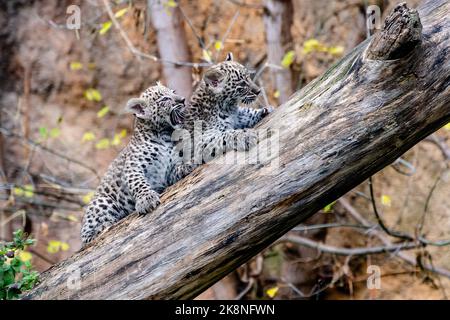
[(8, 277), (103, 111), (105, 27), (288, 59), (43, 132)]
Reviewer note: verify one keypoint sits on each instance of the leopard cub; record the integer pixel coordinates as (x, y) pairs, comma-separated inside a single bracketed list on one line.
[(144, 168), (217, 113)]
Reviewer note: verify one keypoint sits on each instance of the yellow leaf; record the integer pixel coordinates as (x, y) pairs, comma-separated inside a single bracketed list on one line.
[(123, 133), (336, 50), (218, 45), (103, 144), (121, 12), (88, 197), (272, 292), (103, 111), (91, 65), (288, 59), (386, 200), (276, 94), (311, 45), (25, 256), (116, 140), (447, 126), (55, 132), (92, 94), (25, 191), (53, 246), (72, 218), (329, 207), (105, 27), (207, 55), (171, 3), (18, 191), (88, 136), (76, 65), (64, 246), (28, 190)]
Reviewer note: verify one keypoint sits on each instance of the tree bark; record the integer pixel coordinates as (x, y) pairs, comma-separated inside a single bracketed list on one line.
[(359, 117), (172, 45)]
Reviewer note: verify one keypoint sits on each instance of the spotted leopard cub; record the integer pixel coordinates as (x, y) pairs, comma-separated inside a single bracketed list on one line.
[(214, 112), (144, 168)]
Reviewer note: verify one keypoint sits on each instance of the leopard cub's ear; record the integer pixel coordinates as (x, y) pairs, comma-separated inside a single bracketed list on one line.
[(137, 107), (213, 77), (229, 57)]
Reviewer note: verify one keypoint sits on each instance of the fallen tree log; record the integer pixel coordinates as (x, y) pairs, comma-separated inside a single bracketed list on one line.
[(362, 114)]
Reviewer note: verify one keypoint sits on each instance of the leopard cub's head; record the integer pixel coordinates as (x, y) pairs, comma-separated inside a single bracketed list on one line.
[(231, 82), (159, 106)]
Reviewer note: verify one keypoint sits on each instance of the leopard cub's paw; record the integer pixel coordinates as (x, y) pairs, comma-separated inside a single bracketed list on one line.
[(147, 203), (267, 110)]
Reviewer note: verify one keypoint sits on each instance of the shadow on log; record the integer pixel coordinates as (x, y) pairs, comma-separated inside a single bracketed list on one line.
[(361, 115)]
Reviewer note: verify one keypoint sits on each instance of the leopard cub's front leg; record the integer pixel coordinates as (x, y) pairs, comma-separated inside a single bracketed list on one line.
[(146, 202), (242, 139)]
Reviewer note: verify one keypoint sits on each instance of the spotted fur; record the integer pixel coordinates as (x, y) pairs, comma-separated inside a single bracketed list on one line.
[(144, 168), (224, 124)]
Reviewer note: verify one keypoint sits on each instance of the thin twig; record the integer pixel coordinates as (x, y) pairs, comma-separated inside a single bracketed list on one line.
[(44, 148), (349, 251), (330, 225), (247, 5), (141, 54), (410, 260), (445, 149), (225, 36), (189, 22), (380, 221)]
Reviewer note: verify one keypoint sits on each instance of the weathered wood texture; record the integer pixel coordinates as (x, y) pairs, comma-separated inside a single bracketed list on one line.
[(358, 117)]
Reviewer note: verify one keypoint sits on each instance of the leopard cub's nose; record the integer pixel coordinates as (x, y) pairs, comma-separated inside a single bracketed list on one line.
[(181, 100), (256, 91)]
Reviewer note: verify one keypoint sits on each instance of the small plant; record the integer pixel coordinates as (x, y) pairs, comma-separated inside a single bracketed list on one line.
[(16, 274)]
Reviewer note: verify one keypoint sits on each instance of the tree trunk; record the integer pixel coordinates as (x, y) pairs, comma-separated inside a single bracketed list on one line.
[(278, 21), (172, 45), (357, 118)]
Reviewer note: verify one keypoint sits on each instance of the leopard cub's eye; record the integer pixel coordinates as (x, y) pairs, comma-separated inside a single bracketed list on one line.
[(164, 99)]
